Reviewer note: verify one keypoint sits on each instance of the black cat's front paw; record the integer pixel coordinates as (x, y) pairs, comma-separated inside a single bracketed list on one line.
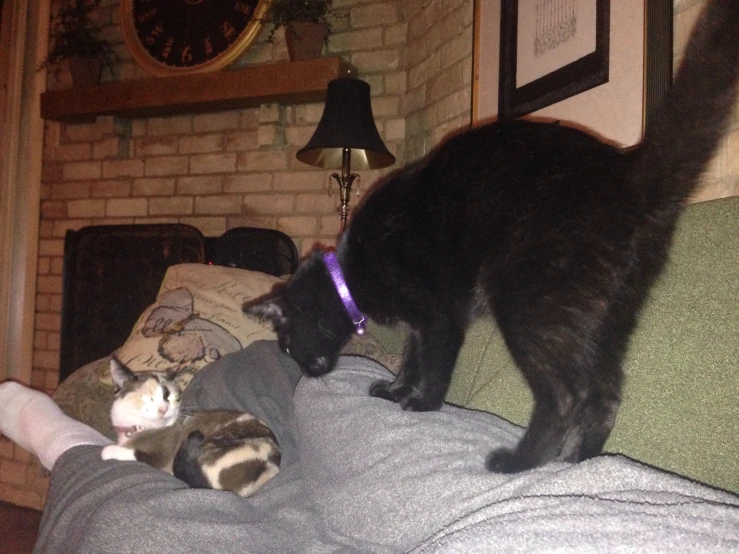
[(503, 460), (419, 404), (408, 400), (383, 389)]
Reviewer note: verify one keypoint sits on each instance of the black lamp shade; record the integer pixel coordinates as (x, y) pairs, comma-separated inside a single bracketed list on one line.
[(347, 122)]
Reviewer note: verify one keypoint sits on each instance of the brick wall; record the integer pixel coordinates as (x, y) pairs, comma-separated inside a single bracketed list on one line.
[(233, 168), (213, 171), (439, 71)]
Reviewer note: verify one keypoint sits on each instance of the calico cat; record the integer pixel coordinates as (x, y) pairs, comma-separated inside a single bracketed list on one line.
[(217, 449), (556, 234)]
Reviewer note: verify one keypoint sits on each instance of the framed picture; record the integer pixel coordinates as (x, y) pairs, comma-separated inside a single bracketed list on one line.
[(596, 64), (550, 50)]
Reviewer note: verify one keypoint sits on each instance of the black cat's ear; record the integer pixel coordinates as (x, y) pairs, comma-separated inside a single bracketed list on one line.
[(119, 373), (271, 308)]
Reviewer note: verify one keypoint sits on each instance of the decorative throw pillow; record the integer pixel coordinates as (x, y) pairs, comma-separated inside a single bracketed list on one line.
[(196, 319)]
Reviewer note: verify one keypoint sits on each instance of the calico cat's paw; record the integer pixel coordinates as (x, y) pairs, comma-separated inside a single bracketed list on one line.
[(116, 452), (405, 396)]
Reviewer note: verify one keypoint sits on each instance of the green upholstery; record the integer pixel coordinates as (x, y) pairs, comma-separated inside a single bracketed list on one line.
[(681, 400), (680, 409)]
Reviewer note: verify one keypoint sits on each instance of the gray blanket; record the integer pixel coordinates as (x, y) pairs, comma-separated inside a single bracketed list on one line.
[(361, 475)]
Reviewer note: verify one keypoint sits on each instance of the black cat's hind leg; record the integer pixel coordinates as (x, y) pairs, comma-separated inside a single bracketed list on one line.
[(428, 360), (574, 436), (544, 438), (400, 387), (596, 414), (575, 379)]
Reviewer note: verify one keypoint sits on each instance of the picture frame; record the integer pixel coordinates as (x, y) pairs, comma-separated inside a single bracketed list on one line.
[(554, 27), (639, 71)]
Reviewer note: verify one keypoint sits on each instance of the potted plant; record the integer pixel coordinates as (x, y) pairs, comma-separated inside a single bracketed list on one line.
[(75, 37), (307, 25)]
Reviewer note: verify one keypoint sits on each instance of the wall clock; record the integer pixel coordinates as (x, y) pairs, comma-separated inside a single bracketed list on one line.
[(177, 37)]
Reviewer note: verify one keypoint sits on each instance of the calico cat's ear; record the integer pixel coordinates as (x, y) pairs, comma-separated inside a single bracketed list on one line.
[(119, 373), (271, 308)]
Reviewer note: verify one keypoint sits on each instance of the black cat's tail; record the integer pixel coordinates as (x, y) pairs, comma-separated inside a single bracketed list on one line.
[(686, 130), (186, 466)]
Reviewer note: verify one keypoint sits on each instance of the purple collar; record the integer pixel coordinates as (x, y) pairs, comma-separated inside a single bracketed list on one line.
[(360, 322)]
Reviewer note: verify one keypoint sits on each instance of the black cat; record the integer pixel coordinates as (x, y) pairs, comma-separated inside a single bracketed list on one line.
[(556, 234)]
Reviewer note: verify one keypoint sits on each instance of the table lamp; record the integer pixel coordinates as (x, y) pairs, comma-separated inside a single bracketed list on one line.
[(346, 137)]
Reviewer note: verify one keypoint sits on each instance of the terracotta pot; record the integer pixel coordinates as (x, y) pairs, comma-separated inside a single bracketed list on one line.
[(305, 40), (85, 71)]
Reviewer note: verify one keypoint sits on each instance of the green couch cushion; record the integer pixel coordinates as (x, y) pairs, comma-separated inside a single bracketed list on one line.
[(680, 409)]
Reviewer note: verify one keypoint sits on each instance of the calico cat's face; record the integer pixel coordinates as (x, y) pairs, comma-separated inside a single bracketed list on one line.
[(143, 400), (308, 317)]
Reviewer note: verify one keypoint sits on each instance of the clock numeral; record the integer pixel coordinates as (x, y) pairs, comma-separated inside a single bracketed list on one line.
[(187, 54), (147, 15), (167, 48), (155, 32), (208, 47), (228, 30), (244, 8)]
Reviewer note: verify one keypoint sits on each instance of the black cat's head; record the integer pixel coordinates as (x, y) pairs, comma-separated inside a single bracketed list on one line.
[(307, 314)]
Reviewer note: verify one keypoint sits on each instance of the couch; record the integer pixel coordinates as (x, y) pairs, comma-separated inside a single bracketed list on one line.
[(680, 409)]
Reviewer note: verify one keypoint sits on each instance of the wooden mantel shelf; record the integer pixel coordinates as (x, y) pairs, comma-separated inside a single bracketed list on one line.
[(293, 83)]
